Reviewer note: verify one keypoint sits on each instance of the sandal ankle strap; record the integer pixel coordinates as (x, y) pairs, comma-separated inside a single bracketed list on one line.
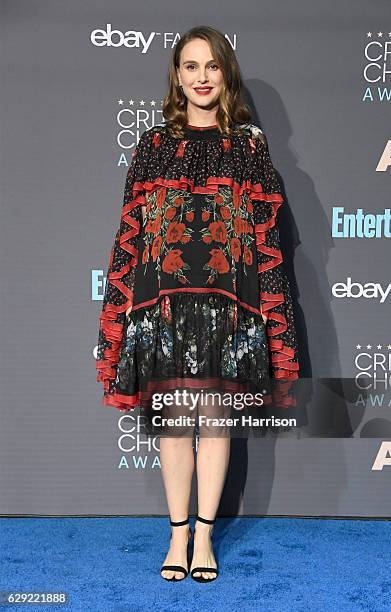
[(203, 520), (178, 523)]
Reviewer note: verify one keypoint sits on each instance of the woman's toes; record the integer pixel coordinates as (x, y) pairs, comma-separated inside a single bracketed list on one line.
[(203, 574), (171, 574)]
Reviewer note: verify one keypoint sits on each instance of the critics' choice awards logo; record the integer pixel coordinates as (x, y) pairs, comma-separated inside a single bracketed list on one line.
[(133, 118), (373, 381), (373, 372), (377, 67), (139, 451), (372, 378)]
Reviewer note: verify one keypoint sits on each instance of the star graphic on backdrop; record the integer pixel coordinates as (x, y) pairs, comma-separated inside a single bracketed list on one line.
[(380, 34)]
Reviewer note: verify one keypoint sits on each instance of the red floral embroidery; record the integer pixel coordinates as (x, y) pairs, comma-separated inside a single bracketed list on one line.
[(253, 145), (156, 246), (248, 256), (225, 212), (218, 231), (238, 225), (145, 256), (161, 196), (236, 248), (167, 211), (217, 262), (233, 230), (236, 199), (181, 148), (165, 308), (173, 261), (175, 232), (170, 213), (153, 226), (156, 140)]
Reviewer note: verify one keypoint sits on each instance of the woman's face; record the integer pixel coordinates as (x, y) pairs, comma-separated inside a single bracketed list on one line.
[(198, 69)]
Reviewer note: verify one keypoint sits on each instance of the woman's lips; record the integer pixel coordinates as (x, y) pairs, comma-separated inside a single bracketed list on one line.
[(203, 91)]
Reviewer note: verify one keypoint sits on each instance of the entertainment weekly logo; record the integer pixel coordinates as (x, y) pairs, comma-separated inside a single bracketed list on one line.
[(359, 224), (135, 39), (377, 66)]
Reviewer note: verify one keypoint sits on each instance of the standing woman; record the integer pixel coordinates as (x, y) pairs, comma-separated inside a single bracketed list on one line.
[(196, 294)]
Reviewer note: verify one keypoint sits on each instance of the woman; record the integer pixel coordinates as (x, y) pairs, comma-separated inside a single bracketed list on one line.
[(196, 295)]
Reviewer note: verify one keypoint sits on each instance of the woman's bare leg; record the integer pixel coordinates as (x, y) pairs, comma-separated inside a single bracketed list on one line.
[(177, 464), (212, 463)]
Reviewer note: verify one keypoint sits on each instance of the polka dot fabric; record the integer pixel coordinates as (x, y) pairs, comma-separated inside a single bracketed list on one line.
[(205, 161)]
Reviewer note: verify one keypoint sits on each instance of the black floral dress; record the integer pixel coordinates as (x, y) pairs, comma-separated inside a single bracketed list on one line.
[(196, 295)]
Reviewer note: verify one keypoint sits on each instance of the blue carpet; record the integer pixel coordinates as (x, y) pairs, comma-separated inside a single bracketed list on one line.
[(266, 564)]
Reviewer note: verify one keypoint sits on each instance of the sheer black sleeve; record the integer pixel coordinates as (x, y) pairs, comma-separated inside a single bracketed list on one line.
[(275, 293), (118, 295)]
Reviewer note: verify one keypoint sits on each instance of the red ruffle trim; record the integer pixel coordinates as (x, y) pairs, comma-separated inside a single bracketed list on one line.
[(109, 323), (281, 353), (113, 328), (124, 403), (255, 190)]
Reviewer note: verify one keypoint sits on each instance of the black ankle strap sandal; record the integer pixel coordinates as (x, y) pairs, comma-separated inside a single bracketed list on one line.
[(204, 569), (203, 520), (177, 568)]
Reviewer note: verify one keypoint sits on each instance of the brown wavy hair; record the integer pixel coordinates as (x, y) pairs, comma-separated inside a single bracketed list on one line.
[(232, 109)]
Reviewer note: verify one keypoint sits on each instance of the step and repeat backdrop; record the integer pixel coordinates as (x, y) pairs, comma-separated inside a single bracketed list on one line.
[(81, 82)]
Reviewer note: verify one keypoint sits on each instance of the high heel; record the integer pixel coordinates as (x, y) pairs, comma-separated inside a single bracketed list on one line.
[(177, 568), (204, 569)]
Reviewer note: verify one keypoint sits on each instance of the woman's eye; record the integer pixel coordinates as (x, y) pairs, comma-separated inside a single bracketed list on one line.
[(211, 66)]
